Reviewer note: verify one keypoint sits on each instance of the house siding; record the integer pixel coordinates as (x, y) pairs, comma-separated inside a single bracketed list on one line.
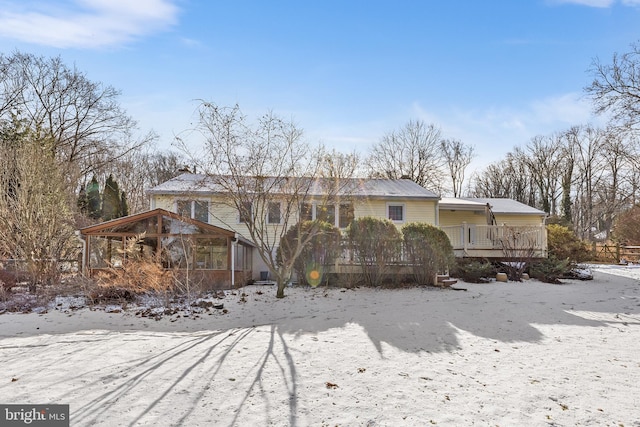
[(518, 219), (451, 218), (225, 216), (415, 211), (163, 202), (222, 215)]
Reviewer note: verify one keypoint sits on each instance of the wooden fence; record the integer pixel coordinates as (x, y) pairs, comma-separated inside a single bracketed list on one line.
[(611, 252)]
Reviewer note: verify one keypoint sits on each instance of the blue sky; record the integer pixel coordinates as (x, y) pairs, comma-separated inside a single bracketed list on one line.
[(491, 73)]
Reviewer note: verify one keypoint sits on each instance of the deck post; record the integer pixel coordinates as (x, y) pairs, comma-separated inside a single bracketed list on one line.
[(465, 227)]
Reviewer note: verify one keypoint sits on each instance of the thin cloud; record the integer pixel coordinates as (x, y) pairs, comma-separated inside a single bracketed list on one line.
[(86, 24), (598, 3), (191, 43), (570, 109), (589, 3), (496, 130)]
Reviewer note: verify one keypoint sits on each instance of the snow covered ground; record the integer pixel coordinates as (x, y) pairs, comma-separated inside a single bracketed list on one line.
[(508, 354)]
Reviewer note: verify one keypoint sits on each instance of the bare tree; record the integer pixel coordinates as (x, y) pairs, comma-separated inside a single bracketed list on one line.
[(413, 152), (588, 148), (337, 165), (616, 87), (518, 246), (567, 162), (509, 177), (457, 156), (36, 221), (627, 227), (139, 170), (82, 119), (609, 193), (543, 159), (266, 172)]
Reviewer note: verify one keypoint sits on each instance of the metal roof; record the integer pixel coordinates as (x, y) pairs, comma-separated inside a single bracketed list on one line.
[(354, 187), (507, 206), (461, 204)]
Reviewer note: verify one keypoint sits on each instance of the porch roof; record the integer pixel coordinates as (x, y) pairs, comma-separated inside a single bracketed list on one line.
[(507, 206), (451, 203), (127, 225)]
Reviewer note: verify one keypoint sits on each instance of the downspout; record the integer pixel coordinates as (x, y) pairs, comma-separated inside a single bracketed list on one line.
[(233, 260), (84, 251)]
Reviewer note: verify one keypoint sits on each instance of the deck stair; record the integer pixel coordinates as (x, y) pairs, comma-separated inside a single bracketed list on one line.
[(443, 280)]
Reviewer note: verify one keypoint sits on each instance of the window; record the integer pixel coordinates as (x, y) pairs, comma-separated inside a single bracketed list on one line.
[(184, 208), (196, 209), (395, 213), (245, 213), (306, 212), (346, 215), (201, 210), (273, 213), (327, 213)]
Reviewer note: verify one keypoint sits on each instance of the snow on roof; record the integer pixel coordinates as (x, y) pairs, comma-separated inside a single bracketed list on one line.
[(461, 204), (507, 206), (382, 188)]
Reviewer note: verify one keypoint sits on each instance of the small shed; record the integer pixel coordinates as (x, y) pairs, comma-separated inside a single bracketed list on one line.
[(216, 257)]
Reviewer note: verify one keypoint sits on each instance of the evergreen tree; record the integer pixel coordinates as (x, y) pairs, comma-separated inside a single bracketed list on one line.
[(83, 201), (111, 202), (93, 198), (124, 206)]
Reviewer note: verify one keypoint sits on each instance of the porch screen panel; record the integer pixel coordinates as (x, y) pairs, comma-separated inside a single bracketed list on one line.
[(239, 257), (211, 254), (176, 252), (105, 252)]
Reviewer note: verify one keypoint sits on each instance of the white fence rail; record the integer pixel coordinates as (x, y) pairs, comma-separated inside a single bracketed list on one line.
[(470, 237)]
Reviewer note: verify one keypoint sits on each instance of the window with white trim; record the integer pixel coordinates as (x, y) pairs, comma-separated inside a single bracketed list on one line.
[(346, 215), (326, 213), (274, 213), (307, 212), (196, 209), (395, 212), (338, 215)]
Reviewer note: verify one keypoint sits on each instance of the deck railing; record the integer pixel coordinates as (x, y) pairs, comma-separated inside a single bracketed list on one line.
[(487, 241), (467, 238)]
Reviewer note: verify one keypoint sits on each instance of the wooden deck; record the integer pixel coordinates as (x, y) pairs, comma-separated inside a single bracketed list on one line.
[(490, 241)]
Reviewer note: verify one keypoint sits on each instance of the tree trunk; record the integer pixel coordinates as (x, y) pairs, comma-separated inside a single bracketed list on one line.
[(280, 292)]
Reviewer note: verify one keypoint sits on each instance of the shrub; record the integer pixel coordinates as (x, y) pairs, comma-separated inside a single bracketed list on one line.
[(321, 250), (134, 278), (375, 244), (474, 271), (565, 245), (7, 279), (428, 252), (519, 247), (550, 270)]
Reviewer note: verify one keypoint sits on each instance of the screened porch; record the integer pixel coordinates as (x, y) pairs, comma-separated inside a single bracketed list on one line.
[(217, 257)]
